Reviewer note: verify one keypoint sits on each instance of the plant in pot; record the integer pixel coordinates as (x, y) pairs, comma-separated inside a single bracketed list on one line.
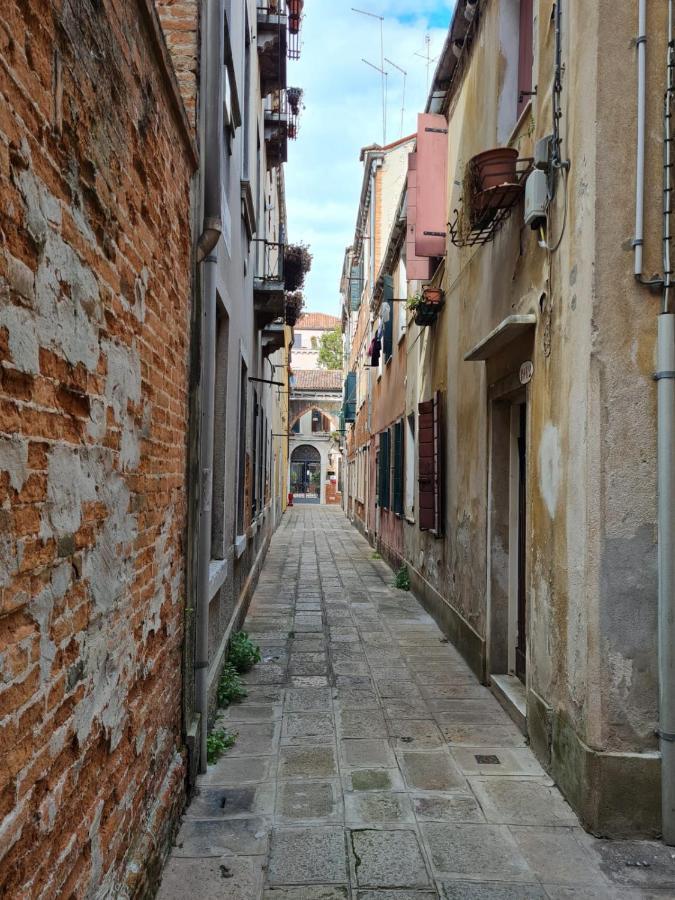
[(426, 304), (294, 304), (294, 96), (297, 263)]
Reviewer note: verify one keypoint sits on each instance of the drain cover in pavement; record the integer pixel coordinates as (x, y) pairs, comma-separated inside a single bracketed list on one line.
[(489, 760)]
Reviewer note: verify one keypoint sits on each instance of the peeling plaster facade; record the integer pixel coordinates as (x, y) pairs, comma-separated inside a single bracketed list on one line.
[(93, 439), (588, 673)]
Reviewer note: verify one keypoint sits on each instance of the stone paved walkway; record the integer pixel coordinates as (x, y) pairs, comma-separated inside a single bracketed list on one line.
[(370, 764)]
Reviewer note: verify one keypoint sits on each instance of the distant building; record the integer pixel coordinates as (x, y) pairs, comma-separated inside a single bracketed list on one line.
[(314, 415), (307, 340)]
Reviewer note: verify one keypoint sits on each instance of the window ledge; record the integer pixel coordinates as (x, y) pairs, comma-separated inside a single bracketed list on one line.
[(409, 520), (240, 545), (217, 575)]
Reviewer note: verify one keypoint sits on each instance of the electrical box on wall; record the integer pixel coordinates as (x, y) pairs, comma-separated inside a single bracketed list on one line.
[(536, 198)]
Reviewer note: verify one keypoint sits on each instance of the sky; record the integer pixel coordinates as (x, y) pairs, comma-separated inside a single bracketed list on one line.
[(343, 112)]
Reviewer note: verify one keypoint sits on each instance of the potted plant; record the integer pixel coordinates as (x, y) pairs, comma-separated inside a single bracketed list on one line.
[(426, 305), (297, 263), (294, 96), (294, 305), (495, 167)]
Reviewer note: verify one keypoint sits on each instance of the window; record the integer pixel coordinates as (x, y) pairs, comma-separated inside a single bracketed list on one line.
[(314, 342), (241, 494), (409, 455), (350, 397), (397, 469), (296, 427), (388, 318), (219, 432), (430, 466), (401, 308), (383, 471)]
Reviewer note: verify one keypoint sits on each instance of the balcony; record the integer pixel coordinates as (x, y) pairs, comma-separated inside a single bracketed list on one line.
[(273, 338), (277, 119), (268, 282), (272, 41), (294, 23)]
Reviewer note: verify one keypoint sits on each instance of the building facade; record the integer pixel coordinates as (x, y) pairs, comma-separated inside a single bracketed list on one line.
[(514, 472), (144, 358)]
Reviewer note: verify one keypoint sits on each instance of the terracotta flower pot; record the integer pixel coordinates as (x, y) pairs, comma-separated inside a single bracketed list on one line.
[(495, 167), (432, 296)]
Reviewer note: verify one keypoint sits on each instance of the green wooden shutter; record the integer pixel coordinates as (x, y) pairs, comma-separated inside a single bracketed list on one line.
[(388, 325), (349, 404), (397, 499), (383, 468), (355, 287)]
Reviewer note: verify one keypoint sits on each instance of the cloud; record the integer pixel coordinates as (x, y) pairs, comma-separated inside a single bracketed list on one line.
[(343, 112)]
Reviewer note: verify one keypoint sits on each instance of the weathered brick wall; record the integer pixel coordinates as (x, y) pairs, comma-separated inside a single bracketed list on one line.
[(180, 22), (95, 246)]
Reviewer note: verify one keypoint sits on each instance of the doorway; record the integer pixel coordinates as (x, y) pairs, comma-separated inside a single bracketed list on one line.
[(507, 648), (306, 474)]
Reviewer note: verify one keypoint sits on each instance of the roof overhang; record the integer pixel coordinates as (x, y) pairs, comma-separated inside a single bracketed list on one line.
[(509, 330)]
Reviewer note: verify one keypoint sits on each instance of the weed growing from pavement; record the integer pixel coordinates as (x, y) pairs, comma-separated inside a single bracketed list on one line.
[(243, 654), (217, 743), (230, 688), (403, 579)]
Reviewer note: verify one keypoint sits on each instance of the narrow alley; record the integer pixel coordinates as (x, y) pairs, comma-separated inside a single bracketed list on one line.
[(369, 762)]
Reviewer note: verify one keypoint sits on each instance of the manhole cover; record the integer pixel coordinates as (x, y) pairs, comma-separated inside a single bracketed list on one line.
[(487, 760)]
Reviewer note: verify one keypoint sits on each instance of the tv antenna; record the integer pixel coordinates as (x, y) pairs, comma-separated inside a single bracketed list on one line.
[(363, 12), (385, 76), (426, 55), (405, 75)]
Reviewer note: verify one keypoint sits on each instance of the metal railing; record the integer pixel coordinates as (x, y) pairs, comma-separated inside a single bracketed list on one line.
[(269, 260)]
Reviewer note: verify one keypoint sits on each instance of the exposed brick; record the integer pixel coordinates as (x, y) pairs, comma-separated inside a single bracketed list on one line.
[(95, 180)]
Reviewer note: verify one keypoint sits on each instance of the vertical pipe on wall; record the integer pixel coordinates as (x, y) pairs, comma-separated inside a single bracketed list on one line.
[(641, 118), (666, 563), (212, 228)]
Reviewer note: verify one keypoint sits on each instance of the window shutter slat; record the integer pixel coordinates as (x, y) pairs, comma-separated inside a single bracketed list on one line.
[(349, 405), (430, 465)]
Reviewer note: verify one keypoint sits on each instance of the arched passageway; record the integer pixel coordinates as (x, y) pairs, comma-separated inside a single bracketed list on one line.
[(306, 474)]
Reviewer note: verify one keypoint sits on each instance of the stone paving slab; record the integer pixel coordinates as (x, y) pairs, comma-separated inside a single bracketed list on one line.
[(370, 764)]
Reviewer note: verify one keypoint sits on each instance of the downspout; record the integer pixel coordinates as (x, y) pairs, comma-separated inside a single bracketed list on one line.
[(207, 256), (641, 41), (665, 379)]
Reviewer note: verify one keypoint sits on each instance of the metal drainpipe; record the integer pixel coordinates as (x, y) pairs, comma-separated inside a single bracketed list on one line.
[(208, 240), (665, 377), (641, 117)]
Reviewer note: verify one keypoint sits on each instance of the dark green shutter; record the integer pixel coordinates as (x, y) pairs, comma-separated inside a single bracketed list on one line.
[(350, 397), (383, 467), (355, 287), (397, 499), (388, 325)]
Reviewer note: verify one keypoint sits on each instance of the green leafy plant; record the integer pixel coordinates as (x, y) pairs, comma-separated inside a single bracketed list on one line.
[(403, 579), (217, 743), (230, 688), (415, 301), (376, 555), (297, 263), (244, 654), (330, 349)]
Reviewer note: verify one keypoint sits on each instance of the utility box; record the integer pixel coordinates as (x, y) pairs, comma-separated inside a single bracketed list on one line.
[(536, 198)]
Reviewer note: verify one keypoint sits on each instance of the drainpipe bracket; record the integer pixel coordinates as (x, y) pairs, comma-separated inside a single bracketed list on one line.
[(665, 735), (201, 665), (667, 374)]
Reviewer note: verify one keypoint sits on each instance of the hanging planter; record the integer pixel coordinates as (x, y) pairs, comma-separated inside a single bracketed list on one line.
[(297, 263), (294, 96), (426, 306), (295, 12), (294, 305), (494, 168)]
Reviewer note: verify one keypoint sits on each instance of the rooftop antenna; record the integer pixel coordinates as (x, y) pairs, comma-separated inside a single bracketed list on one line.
[(385, 76), (405, 75), (427, 56), (363, 12)]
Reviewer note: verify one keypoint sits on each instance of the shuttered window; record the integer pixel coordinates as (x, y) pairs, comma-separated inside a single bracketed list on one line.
[(397, 469), (349, 405), (383, 471), (387, 318), (355, 287), (430, 474)]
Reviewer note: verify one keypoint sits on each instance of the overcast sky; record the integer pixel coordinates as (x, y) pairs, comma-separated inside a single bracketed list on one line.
[(343, 99)]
